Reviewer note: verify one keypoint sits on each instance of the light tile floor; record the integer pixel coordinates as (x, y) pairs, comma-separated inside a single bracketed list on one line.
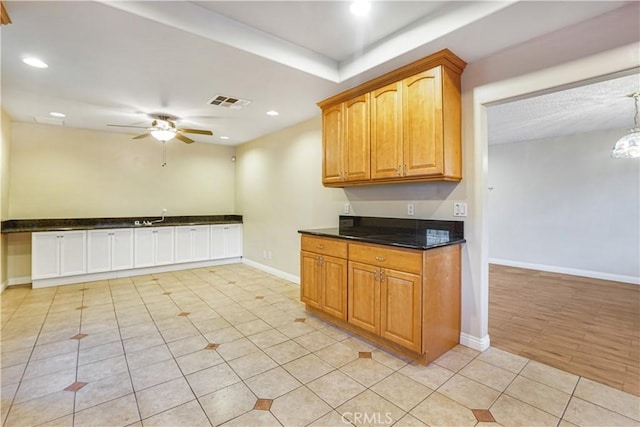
[(233, 346)]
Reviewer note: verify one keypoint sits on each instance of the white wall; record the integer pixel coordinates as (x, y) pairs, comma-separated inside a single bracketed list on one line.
[(5, 152), (563, 204), (59, 172)]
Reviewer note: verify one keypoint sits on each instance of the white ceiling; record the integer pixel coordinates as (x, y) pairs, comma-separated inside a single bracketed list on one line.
[(118, 62)]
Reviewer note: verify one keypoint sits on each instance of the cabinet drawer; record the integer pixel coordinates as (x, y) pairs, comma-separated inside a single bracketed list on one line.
[(397, 259), (324, 246)]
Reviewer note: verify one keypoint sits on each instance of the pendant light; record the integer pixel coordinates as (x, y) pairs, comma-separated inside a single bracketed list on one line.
[(628, 147)]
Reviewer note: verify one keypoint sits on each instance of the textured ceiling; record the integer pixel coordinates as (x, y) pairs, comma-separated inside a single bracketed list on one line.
[(591, 107)]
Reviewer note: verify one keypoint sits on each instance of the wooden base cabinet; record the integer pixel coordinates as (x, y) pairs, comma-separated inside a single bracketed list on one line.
[(323, 279), (403, 299)]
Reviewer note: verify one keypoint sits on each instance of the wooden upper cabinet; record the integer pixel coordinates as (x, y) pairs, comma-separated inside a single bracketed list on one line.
[(356, 139), (386, 131), (422, 124), (332, 146), (402, 126)]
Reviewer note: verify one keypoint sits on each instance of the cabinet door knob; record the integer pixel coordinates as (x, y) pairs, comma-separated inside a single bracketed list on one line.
[(382, 275), (380, 258), (399, 170)]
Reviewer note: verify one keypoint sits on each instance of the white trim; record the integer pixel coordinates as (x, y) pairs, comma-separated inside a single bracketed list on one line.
[(570, 271), (479, 344), (14, 281), (69, 280), (3, 286), (278, 273)]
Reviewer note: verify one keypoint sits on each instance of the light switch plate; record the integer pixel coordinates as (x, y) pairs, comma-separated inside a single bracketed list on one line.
[(459, 209), (346, 208)]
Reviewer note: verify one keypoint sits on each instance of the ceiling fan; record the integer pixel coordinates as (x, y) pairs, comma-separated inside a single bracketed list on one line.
[(163, 128)]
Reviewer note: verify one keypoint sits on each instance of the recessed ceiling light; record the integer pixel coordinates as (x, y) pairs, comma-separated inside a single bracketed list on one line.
[(224, 137), (360, 7), (272, 113), (56, 114), (35, 62)]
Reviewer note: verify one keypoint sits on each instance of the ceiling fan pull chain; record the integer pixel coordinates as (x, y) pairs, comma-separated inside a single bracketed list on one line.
[(164, 154)]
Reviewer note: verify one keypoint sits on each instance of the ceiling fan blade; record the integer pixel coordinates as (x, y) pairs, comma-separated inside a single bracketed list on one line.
[(183, 138), (125, 126), (144, 135), (198, 131)]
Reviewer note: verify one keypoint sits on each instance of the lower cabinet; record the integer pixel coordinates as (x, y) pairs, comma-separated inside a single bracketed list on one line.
[(192, 243), (109, 250), (226, 241), (323, 281), (58, 254), (153, 246), (404, 299), (86, 252)]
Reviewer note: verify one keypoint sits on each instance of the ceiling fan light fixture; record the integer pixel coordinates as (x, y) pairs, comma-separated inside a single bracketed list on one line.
[(35, 62), (163, 135), (628, 147)]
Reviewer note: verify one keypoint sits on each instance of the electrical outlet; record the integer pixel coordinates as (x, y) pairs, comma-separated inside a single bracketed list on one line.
[(346, 208), (410, 210), (164, 211), (459, 209)]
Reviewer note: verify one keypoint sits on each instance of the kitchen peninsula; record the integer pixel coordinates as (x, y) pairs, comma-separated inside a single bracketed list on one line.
[(395, 282)]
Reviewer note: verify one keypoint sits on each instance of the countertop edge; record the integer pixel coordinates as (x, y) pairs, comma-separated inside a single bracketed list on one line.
[(320, 233), (71, 224)]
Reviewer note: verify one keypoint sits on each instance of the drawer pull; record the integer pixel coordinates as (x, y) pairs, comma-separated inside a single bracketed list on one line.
[(380, 258), (320, 246)]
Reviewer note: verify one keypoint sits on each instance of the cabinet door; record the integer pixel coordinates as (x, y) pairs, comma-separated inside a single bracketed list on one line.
[(199, 242), (356, 139), (233, 240), (144, 245), (164, 245), (364, 297), (73, 252), (183, 244), (422, 124), (310, 279), (386, 132), (334, 286), (98, 250), (401, 308), (45, 258), (332, 145), (217, 242), (121, 249)]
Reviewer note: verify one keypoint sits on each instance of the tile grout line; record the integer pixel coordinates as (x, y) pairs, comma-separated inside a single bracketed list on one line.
[(33, 347)]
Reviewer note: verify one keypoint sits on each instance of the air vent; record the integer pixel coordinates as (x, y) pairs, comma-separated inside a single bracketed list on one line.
[(234, 103)]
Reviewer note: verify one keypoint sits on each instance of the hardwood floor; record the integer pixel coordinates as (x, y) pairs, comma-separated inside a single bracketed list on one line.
[(585, 326)]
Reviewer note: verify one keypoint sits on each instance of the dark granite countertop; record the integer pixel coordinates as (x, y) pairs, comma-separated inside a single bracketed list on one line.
[(62, 224), (400, 232)]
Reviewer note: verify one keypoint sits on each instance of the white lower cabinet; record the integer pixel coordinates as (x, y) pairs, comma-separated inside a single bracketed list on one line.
[(226, 241), (109, 250), (90, 252), (153, 246), (192, 243), (58, 253)]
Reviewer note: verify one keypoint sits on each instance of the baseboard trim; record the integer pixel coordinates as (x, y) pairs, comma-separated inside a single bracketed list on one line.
[(268, 269), (15, 281), (479, 344), (569, 271), (3, 286), (106, 275)]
